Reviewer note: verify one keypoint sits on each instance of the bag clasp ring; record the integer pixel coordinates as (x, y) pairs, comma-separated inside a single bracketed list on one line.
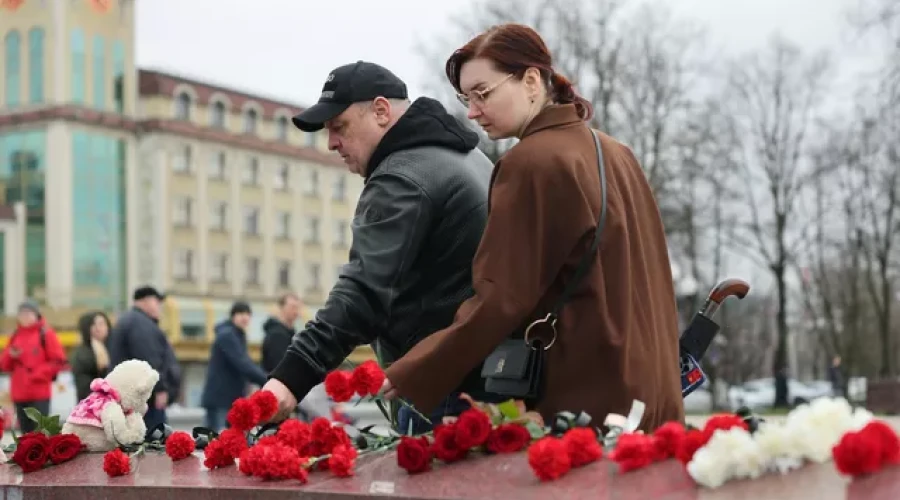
[(550, 320)]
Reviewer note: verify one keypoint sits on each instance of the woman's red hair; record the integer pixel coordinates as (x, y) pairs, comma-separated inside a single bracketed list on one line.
[(513, 48)]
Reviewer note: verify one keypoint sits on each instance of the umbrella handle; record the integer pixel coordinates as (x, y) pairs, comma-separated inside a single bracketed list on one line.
[(726, 288)]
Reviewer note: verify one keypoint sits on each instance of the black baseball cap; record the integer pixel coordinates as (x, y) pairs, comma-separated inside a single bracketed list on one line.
[(147, 291), (358, 82)]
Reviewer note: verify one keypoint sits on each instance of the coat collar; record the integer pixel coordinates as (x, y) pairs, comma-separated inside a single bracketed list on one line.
[(553, 116)]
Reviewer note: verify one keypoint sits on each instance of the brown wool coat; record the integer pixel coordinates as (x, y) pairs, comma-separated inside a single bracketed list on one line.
[(618, 335)]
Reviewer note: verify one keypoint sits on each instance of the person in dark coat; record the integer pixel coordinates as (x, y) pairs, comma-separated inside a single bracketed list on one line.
[(137, 335), (279, 330), (230, 367), (90, 360)]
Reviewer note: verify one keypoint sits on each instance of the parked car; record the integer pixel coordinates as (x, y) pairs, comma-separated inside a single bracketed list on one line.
[(760, 393)]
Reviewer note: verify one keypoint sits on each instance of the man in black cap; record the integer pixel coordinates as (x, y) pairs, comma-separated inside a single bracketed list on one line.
[(418, 223), (230, 367), (137, 335)]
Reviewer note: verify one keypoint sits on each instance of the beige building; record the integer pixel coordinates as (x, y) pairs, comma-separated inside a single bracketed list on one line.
[(131, 176)]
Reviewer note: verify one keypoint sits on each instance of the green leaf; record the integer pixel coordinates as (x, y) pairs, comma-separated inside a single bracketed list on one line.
[(52, 425), (409, 428), (535, 430), (384, 412), (509, 409), (15, 436), (34, 415)]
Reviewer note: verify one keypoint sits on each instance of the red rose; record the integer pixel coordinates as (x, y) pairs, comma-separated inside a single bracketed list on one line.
[(583, 446), (413, 454), (857, 454), (633, 451), (367, 379), (32, 451), (508, 438), (266, 403), (64, 447), (472, 428), (549, 458), (243, 415), (445, 447), (179, 445), (116, 463), (337, 385)]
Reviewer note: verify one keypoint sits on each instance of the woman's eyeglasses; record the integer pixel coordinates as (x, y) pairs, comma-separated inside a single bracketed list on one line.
[(478, 97)]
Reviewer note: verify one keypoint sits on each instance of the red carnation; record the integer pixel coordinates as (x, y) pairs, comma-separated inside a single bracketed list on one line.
[(337, 385), (180, 445), (583, 446), (266, 404), (217, 454), (445, 447), (667, 440), (116, 463), (723, 422), (414, 454), (233, 442), (508, 438), (341, 461), (857, 454), (64, 447), (472, 428), (32, 451), (883, 434), (243, 415), (549, 458), (692, 441), (633, 451), (367, 379), (294, 434)]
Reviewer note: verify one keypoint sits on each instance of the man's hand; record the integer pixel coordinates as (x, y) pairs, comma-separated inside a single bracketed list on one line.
[(162, 399), (286, 400), (388, 391)]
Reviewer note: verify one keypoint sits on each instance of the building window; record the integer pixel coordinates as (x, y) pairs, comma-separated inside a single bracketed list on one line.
[(340, 233), (36, 65), (118, 52), (283, 225), (251, 221), (282, 129), (182, 161), (218, 267), (313, 278), (79, 67), (13, 69), (283, 177), (183, 106), (250, 119), (339, 191), (218, 216), (98, 80), (183, 212), (311, 186), (217, 166), (251, 173), (217, 119), (284, 274), (312, 230), (183, 265), (252, 271)]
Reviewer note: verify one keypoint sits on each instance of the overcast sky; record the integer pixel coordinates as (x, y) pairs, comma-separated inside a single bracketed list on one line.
[(285, 48)]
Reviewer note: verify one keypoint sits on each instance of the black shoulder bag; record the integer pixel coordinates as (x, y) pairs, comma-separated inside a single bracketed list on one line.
[(515, 367)]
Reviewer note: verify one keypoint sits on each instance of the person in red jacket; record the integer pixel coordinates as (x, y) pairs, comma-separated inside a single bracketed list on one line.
[(34, 356)]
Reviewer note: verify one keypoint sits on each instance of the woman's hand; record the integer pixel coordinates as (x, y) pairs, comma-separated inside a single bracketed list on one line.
[(388, 391)]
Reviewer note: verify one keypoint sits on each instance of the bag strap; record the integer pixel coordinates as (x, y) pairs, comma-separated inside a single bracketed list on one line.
[(586, 261)]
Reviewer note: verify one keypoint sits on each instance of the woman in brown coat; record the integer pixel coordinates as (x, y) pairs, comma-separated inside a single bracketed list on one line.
[(617, 338)]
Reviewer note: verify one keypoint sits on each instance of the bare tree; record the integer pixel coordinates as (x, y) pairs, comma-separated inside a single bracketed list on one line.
[(773, 94)]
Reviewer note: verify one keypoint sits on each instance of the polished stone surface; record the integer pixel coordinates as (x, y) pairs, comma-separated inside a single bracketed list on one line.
[(156, 477)]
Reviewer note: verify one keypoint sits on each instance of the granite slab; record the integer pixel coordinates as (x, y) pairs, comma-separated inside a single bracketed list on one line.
[(156, 477)]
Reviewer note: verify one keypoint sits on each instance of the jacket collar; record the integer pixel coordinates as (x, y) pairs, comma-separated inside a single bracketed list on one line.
[(553, 116)]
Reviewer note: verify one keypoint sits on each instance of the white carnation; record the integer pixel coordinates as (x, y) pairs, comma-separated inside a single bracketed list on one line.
[(731, 453), (817, 427), (708, 469)]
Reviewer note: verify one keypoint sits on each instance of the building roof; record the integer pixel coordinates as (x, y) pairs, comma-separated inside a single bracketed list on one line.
[(155, 82)]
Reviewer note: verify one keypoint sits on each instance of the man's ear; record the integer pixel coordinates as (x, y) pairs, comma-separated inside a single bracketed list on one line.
[(382, 109)]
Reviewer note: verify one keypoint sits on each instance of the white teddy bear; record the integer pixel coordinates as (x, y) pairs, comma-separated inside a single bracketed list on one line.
[(113, 414)]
